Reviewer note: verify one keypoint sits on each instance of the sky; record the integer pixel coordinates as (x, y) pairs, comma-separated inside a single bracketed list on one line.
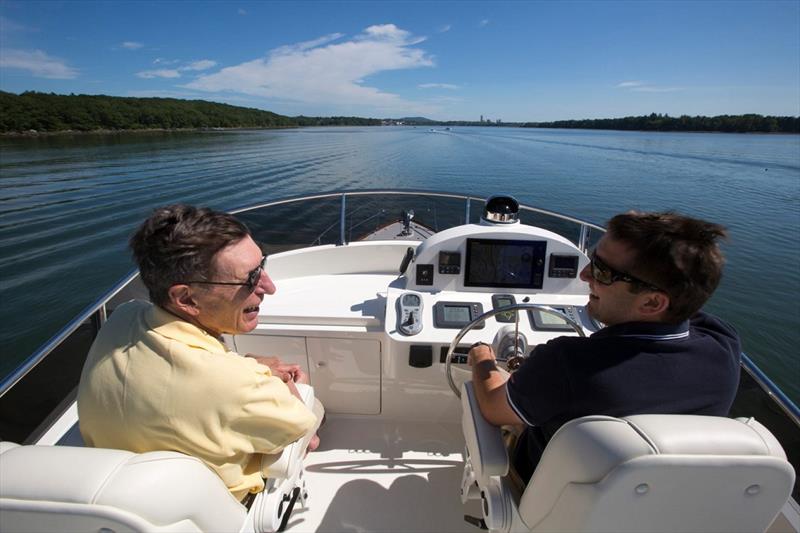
[(515, 61)]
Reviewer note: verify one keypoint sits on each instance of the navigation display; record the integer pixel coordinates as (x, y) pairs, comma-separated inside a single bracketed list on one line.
[(458, 314), (505, 263)]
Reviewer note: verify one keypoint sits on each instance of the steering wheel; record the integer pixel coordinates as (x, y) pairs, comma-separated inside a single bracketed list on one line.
[(488, 314)]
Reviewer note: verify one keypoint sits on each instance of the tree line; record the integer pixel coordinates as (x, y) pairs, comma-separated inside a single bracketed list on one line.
[(43, 112), (749, 123), (48, 112)]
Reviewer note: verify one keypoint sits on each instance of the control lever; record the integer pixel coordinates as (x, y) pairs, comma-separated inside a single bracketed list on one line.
[(510, 346), (409, 313)]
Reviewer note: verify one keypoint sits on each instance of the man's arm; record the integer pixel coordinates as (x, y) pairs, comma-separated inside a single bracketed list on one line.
[(289, 374), (490, 387), (286, 371)]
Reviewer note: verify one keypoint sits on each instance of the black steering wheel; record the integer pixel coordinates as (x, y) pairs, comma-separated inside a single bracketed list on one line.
[(488, 314)]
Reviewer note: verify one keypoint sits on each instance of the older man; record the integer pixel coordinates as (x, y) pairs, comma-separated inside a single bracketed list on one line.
[(648, 278), (159, 377)]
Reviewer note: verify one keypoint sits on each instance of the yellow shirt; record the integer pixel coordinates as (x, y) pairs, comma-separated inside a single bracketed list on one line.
[(155, 382)]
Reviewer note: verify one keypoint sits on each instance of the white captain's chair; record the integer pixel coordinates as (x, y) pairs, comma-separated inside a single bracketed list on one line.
[(63, 488), (638, 473)]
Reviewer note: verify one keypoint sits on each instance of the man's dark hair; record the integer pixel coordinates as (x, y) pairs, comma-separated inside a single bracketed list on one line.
[(676, 253), (177, 243)]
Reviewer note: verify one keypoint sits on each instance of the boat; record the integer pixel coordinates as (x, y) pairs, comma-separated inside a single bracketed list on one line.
[(380, 294)]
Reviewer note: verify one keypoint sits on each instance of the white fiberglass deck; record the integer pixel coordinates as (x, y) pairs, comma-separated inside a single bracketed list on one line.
[(375, 475)]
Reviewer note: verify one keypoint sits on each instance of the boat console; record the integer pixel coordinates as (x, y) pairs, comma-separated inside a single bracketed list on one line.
[(362, 332), (460, 274)]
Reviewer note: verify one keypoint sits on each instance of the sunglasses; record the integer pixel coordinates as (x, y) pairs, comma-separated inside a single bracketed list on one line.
[(253, 277), (602, 273)]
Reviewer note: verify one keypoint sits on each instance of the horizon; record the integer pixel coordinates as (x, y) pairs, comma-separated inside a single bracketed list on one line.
[(445, 61), (420, 118)]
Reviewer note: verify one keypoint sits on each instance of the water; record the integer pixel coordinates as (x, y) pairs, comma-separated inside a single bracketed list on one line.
[(68, 204)]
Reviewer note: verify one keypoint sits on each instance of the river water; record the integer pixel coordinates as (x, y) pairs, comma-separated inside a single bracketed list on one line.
[(69, 203)]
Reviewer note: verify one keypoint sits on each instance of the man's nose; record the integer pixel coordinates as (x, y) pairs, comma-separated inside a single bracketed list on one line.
[(586, 273), (265, 284)]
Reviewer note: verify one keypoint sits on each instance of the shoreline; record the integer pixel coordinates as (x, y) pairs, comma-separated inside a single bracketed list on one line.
[(36, 133)]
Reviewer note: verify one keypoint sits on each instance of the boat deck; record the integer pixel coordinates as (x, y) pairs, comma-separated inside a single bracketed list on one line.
[(374, 475)]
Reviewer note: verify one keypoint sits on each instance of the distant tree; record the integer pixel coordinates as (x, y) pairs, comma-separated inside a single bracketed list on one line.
[(52, 112), (657, 122)]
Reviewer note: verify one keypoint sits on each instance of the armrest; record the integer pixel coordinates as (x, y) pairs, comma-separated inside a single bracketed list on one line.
[(284, 464), (484, 441)]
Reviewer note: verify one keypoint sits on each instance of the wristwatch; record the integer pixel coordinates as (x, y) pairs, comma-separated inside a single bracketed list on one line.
[(480, 343)]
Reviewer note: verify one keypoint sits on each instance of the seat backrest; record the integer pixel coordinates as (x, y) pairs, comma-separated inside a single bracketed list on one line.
[(658, 473), (62, 488)]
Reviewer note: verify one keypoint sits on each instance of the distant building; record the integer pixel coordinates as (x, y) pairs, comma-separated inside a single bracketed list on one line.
[(481, 118)]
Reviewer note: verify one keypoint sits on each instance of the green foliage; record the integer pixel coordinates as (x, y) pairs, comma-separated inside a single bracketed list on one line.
[(336, 121), (656, 122), (52, 112)]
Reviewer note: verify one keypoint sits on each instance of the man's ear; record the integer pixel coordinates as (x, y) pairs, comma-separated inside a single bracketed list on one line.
[(653, 303), (181, 298)]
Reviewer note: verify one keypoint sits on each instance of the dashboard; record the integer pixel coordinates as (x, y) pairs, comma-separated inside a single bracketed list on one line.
[(458, 274)]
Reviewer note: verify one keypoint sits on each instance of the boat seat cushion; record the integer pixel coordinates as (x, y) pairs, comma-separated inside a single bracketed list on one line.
[(658, 472), (49, 488)]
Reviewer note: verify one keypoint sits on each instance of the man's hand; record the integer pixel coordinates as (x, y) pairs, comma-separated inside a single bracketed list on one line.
[(480, 354), (286, 371)]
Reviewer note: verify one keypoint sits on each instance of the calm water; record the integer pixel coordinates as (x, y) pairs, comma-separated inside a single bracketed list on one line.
[(68, 204)]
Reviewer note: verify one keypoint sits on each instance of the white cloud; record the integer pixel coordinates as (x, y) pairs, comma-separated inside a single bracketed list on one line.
[(162, 61), (626, 84), (9, 26), (654, 89), (160, 73), (483, 23), (390, 33), (131, 45), (642, 87), (203, 64), (322, 71), (241, 11), (306, 45), (445, 28), (437, 86), (37, 63)]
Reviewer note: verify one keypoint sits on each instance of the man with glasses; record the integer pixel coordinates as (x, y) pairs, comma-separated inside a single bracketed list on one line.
[(658, 353), (158, 375)]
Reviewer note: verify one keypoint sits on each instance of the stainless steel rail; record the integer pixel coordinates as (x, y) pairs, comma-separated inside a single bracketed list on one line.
[(96, 312), (768, 386)]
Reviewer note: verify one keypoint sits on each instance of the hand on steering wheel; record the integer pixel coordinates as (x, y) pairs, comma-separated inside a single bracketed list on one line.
[(513, 307)]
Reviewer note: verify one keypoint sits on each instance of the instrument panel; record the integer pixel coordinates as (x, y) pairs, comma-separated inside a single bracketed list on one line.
[(476, 258)]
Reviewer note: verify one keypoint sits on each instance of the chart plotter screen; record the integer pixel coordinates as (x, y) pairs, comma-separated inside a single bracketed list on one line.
[(505, 263)]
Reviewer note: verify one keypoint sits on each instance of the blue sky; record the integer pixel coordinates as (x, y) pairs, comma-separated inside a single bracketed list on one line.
[(449, 60)]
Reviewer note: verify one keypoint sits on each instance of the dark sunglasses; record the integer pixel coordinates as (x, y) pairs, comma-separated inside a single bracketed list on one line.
[(602, 273), (253, 277)]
